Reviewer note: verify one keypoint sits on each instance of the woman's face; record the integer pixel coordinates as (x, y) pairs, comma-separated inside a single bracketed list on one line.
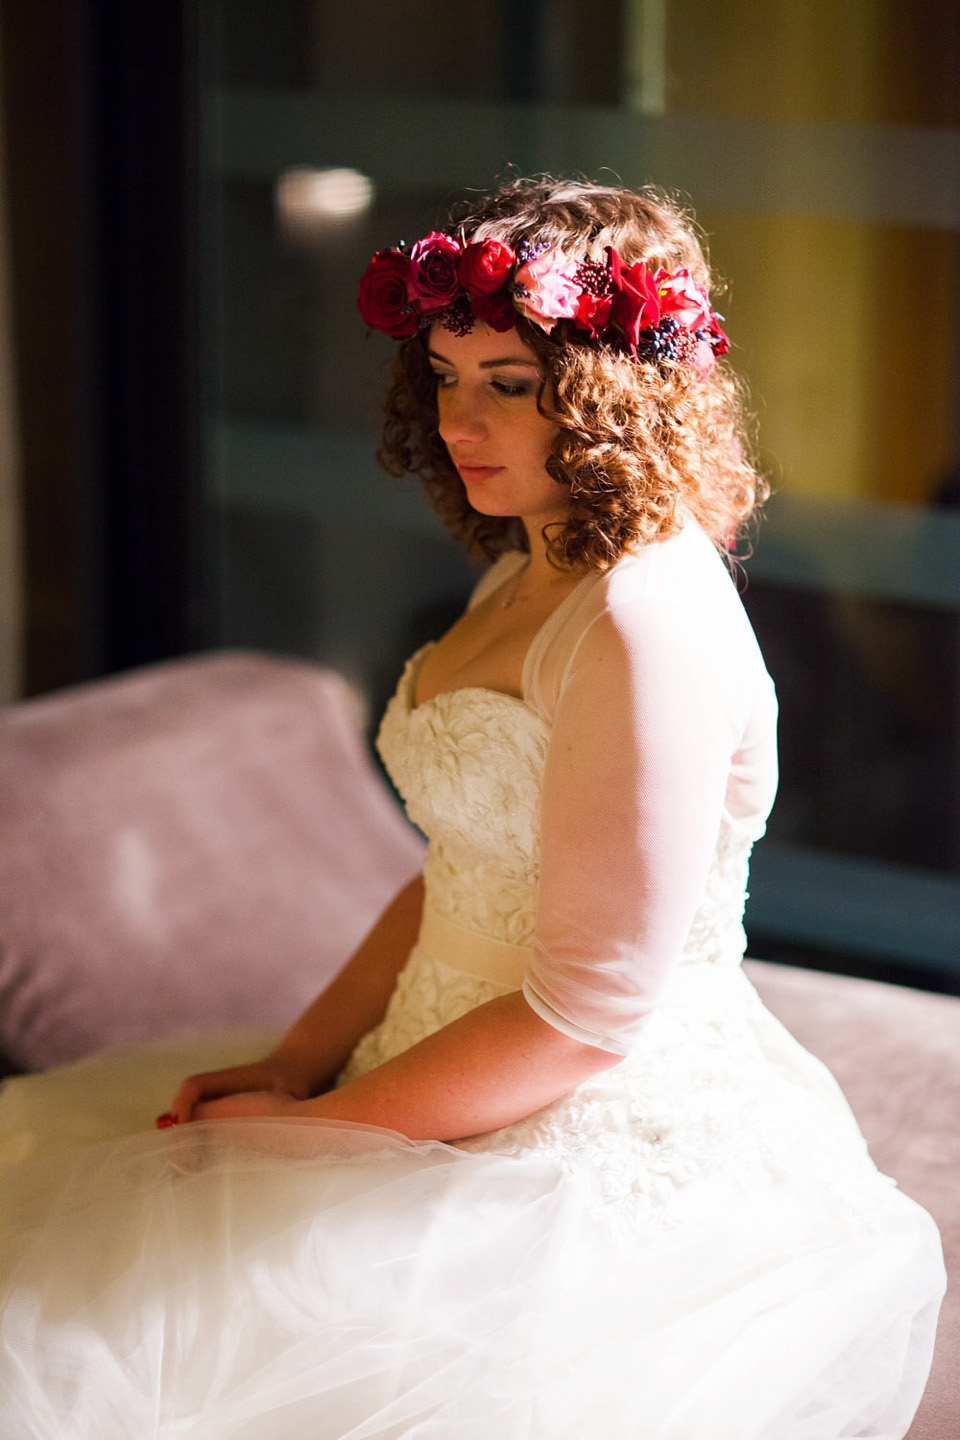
[(487, 386)]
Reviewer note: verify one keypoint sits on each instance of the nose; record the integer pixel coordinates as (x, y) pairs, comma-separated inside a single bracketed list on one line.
[(461, 419)]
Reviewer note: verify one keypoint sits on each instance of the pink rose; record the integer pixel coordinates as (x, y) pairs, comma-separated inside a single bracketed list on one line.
[(485, 267), (635, 306), (382, 300), (683, 299), (702, 359), (706, 350), (549, 290), (433, 271)]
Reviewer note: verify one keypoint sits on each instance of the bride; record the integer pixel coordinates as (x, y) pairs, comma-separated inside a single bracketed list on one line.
[(538, 1163)]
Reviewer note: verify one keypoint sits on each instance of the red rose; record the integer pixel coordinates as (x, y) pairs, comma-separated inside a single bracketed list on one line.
[(485, 267), (433, 271), (593, 312), (383, 299), (635, 305), (497, 311)]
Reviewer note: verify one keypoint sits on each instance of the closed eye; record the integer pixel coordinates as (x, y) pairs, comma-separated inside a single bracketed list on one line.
[(510, 389)]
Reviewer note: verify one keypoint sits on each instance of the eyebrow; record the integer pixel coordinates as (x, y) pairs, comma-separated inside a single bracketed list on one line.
[(489, 364)]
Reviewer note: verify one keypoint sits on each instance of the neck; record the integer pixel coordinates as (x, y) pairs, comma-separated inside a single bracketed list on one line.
[(540, 569)]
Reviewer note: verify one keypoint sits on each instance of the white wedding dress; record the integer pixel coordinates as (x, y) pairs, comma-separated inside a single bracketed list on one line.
[(693, 1245)]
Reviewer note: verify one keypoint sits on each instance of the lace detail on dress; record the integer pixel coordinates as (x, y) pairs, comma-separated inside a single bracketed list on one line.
[(709, 1095), (428, 996), (717, 934), (469, 765)]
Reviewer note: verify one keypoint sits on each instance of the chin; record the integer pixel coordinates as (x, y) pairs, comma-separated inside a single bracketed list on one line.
[(491, 508)]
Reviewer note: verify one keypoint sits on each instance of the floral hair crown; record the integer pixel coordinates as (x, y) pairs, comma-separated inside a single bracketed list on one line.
[(653, 316)]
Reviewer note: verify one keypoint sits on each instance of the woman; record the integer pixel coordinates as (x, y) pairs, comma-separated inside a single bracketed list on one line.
[(657, 1217)]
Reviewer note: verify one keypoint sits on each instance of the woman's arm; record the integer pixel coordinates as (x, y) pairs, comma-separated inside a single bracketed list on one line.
[(494, 1065), (318, 1045)]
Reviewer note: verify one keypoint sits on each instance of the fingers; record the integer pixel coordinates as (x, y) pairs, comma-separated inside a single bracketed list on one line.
[(263, 1075), (254, 1104), (210, 1086), (186, 1098)]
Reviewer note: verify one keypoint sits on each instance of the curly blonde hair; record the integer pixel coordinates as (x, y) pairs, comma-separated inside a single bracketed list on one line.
[(639, 445)]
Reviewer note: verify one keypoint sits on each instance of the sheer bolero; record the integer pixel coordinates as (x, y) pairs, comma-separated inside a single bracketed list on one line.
[(662, 725)]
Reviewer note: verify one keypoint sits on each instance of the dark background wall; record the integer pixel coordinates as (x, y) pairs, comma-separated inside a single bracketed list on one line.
[(100, 117)]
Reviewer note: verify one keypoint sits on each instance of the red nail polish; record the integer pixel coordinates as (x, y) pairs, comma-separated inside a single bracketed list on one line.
[(166, 1119)]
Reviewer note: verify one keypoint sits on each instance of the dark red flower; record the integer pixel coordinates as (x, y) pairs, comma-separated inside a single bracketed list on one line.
[(593, 312), (717, 338), (433, 271), (635, 306), (497, 311), (486, 266), (383, 300)]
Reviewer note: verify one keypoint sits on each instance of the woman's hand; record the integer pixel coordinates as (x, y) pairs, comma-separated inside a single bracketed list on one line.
[(255, 1104), (308, 1058), (279, 1078)]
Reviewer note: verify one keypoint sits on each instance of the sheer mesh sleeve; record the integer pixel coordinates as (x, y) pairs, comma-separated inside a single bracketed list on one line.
[(651, 730)]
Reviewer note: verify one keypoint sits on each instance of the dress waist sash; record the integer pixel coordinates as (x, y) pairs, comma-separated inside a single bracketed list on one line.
[(692, 983), (468, 950)]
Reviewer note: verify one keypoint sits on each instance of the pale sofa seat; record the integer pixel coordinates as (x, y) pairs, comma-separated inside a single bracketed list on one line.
[(896, 1052)]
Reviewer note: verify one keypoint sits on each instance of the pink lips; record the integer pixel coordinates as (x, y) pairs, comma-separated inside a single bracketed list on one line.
[(475, 473)]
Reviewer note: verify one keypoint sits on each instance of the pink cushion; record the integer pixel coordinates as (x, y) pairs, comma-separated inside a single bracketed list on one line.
[(194, 845), (896, 1052)]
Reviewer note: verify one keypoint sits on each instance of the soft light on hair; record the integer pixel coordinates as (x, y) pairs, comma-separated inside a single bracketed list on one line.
[(640, 446)]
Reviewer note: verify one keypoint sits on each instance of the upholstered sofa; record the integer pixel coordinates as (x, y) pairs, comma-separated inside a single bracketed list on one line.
[(198, 845)]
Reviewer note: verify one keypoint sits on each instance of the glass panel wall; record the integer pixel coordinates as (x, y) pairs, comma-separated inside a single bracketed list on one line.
[(820, 146)]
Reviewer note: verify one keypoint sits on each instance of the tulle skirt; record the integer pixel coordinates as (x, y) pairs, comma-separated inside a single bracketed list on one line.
[(307, 1280)]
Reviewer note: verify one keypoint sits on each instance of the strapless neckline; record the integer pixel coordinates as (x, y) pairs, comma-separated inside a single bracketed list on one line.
[(540, 636), (410, 684)]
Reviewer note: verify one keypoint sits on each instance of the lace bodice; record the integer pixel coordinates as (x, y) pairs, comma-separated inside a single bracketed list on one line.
[(469, 765)]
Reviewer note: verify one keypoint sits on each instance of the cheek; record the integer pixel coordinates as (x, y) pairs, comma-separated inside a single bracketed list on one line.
[(547, 440), (534, 434)]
